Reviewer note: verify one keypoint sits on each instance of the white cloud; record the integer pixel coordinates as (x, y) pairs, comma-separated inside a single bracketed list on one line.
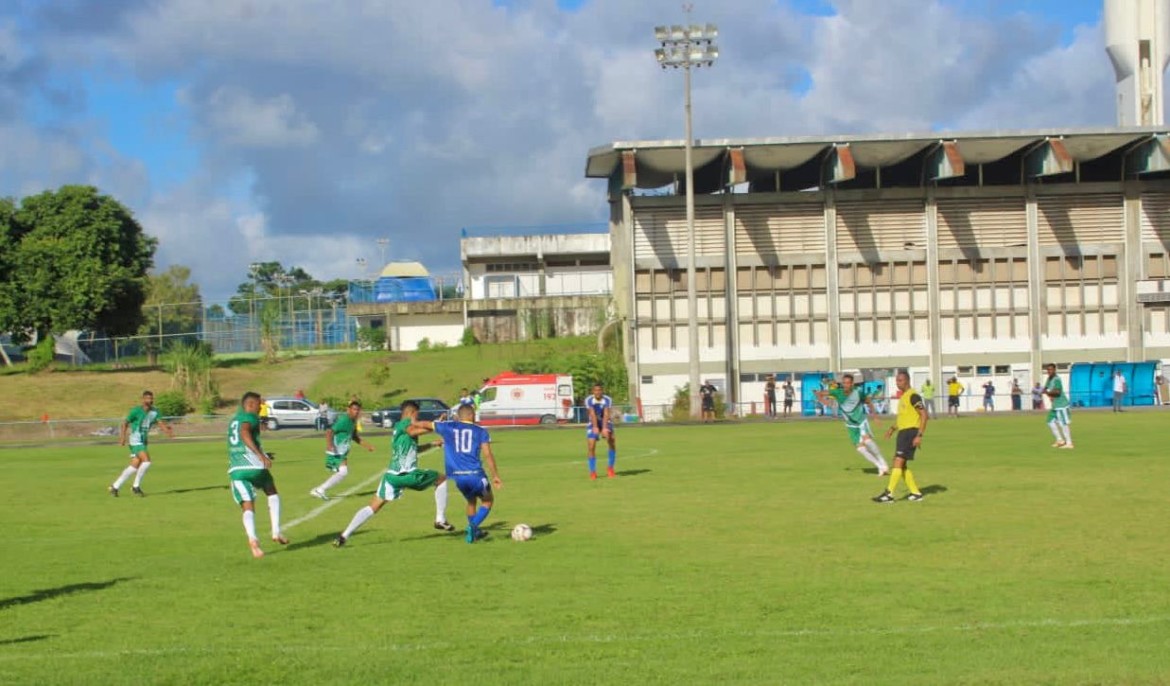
[(243, 120)]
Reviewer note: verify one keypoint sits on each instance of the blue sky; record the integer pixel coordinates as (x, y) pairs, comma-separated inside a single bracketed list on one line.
[(265, 131)]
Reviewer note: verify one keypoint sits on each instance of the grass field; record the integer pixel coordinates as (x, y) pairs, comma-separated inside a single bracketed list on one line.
[(722, 554)]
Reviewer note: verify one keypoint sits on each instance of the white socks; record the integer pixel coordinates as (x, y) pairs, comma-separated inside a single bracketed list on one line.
[(334, 479), (141, 471), (875, 460), (1055, 431), (274, 514), (1067, 434), (441, 502), (250, 524), (358, 519), (877, 455), (126, 474)]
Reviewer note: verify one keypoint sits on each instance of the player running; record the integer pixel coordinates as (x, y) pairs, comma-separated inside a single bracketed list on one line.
[(1058, 413), (337, 441), (249, 469), (403, 473), (853, 401), (910, 423), (135, 428), (600, 409), (462, 442)]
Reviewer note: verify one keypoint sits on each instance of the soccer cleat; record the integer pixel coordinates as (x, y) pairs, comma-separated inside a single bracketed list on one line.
[(339, 541), (885, 497), (444, 526), (255, 546), (1067, 446), (915, 497), (280, 539), (137, 491), (1058, 444), (610, 473), (593, 476), (113, 491), (318, 493), (883, 472)]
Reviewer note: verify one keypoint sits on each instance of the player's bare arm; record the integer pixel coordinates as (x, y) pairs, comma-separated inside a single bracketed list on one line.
[(329, 445), (246, 437), (166, 428), (491, 462), (125, 429), (922, 419), (358, 439)]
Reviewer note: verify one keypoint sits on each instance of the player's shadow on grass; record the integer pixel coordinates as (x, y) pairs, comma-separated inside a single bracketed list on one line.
[(319, 539), (545, 529), (24, 639), (50, 593), (934, 488), (177, 491), (632, 472)]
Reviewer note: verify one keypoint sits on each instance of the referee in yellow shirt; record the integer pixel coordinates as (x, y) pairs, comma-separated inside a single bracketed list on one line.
[(911, 427)]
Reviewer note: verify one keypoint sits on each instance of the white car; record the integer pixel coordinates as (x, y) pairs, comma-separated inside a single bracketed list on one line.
[(286, 412)]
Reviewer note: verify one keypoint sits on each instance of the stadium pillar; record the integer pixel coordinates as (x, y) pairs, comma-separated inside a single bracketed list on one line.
[(832, 280), (1035, 282), (933, 299), (1131, 271), (731, 300)]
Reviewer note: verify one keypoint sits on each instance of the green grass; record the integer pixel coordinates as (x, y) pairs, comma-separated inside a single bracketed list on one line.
[(723, 554)]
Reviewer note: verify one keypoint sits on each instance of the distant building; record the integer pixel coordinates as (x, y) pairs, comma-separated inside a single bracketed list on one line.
[(537, 265)]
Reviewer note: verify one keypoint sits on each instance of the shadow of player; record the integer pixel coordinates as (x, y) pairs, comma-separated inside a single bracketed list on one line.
[(634, 472), (50, 593), (934, 488)]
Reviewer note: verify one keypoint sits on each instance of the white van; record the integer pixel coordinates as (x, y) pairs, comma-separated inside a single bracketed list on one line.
[(516, 399)]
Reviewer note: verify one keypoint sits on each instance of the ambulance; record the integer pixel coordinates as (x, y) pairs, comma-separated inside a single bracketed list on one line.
[(511, 399)]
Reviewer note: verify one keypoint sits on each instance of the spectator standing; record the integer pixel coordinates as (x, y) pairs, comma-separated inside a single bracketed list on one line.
[(323, 416), (1119, 389), (1037, 397), (300, 394), (789, 395), (954, 390), (1017, 395), (707, 394), (770, 396), (927, 393), (989, 396)]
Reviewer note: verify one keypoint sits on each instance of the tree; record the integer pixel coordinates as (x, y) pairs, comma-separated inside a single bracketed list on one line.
[(173, 307), (79, 261), (269, 280), (8, 239)]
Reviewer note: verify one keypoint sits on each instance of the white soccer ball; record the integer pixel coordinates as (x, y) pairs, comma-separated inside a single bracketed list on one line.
[(521, 532)]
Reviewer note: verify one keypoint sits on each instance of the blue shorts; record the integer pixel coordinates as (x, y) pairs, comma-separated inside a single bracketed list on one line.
[(473, 486), (593, 433)]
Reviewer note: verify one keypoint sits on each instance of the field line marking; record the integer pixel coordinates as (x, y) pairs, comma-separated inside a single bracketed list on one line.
[(648, 637), (316, 511)]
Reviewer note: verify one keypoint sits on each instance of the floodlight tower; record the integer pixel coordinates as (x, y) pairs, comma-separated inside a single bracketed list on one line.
[(687, 47), (1137, 38)]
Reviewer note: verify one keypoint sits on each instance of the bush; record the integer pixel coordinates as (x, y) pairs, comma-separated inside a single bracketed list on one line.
[(439, 345), (468, 337), (586, 368), (40, 357), (172, 404), (424, 345), (370, 338)]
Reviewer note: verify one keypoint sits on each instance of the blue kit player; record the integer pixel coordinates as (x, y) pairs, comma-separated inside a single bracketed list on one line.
[(462, 442), (600, 409)]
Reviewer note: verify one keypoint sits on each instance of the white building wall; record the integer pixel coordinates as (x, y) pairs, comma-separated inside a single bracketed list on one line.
[(579, 280), (408, 331)]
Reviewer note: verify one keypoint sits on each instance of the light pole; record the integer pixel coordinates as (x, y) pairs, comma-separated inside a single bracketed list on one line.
[(687, 47), (254, 272)]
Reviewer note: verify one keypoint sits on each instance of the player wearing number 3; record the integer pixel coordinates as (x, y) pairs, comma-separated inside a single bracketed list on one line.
[(248, 467)]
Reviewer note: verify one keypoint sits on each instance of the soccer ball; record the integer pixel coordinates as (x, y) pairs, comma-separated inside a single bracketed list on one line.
[(521, 532)]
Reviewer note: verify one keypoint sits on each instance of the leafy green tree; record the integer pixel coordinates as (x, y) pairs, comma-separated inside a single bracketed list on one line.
[(173, 307), (273, 280), (8, 241), (79, 261)]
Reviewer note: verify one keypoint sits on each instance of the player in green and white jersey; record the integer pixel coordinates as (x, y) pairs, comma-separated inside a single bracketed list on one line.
[(403, 473), (248, 469), (1058, 413), (135, 429), (853, 401), (337, 441)]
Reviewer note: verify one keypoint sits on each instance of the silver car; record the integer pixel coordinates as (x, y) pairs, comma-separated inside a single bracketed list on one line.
[(287, 412)]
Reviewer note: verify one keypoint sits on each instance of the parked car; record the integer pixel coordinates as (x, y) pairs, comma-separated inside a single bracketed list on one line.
[(286, 412), (429, 409)]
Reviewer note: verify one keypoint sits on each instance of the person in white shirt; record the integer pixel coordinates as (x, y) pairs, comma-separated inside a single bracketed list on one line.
[(1118, 390)]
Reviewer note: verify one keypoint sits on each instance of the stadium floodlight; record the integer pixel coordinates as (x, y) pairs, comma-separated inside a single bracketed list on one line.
[(684, 48)]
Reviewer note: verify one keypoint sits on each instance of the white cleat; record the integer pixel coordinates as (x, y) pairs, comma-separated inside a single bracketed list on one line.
[(1067, 446), (318, 493), (1058, 444)]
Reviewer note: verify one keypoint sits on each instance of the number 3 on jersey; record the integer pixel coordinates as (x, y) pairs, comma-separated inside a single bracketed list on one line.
[(234, 432)]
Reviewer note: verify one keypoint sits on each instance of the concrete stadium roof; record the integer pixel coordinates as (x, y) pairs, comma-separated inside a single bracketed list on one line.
[(835, 159)]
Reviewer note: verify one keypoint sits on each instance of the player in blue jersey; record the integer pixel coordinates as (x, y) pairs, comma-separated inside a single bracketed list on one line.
[(462, 442), (600, 409)]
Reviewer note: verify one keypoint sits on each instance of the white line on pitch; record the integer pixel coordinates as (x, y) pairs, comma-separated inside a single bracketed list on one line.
[(312, 514)]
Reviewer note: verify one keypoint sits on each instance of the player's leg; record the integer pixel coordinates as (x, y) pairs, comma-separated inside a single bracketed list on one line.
[(441, 522), (591, 451), (340, 469), (245, 497), (128, 472), (269, 486), (143, 465), (1057, 434), (870, 445), (478, 493), (612, 440), (361, 516), (1064, 421)]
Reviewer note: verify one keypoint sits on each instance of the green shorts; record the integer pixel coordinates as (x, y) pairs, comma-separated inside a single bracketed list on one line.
[(246, 481), (860, 432), (135, 449), (334, 462), (393, 485), (1060, 415)]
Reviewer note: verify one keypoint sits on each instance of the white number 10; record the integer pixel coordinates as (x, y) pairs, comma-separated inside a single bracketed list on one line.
[(463, 441)]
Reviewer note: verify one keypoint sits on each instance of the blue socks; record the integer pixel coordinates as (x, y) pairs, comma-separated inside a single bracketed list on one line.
[(480, 515), (612, 458), (593, 465)]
